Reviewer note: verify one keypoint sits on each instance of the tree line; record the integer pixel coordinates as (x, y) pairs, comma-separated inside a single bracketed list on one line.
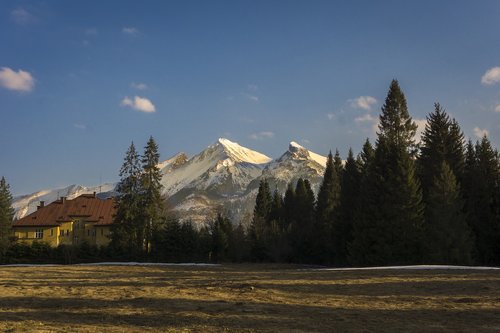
[(396, 202)]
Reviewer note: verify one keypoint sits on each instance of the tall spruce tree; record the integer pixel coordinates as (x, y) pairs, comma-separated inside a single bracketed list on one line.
[(302, 235), (482, 185), (126, 235), (6, 217), (327, 202), (447, 235), (348, 208), (392, 212), (259, 226), (442, 141), (153, 201)]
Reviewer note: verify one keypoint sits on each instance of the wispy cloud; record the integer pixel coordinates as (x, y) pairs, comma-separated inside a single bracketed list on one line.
[(139, 103), (262, 135), (491, 76), (21, 16), (479, 133), (330, 116), (497, 108), (91, 32), (362, 102), (251, 97), (131, 31), (252, 87), (82, 127), (139, 86), (18, 81), (366, 118)]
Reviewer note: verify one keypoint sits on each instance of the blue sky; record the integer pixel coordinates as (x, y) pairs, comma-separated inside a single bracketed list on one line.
[(80, 80)]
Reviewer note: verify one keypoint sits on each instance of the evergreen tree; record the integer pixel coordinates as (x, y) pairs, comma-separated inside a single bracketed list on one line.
[(388, 230), (6, 217), (153, 202), (349, 203), (302, 235), (126, 236), (365, 157), (259, 226), (447, 235), (442, 141), (221, 230), (328, 199), (482, 185)]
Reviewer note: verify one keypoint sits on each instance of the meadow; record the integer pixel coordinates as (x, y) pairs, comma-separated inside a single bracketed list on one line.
[(246, 298)]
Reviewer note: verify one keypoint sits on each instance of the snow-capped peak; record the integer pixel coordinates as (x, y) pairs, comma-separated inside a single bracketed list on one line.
[(242, 154), (301, 152)]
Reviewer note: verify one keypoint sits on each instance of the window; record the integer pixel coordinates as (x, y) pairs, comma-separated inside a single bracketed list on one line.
[(88, 232), (67, 232), (39, 233), (61, 233), (52, 232)]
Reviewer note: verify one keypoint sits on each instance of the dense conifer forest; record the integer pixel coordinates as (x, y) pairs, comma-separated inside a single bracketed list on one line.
[(398, 201)]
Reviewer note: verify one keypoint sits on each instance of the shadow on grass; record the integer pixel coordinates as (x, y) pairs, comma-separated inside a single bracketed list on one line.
[(181, 313)]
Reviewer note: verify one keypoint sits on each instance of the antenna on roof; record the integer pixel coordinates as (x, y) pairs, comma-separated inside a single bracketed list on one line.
[(100, 182)]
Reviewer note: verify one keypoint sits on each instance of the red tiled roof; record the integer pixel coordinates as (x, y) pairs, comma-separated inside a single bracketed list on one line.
[(86, 206)]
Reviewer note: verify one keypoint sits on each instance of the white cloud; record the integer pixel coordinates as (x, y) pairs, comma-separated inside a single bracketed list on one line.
[(139, 103), (139, 86), (491, 76), (365, 118), (478, 132), (22, 16), (130, 31), (19, 81), (80, 126), (251, 97), (363, 102), (331, 116), (262, 135), (497, 108)]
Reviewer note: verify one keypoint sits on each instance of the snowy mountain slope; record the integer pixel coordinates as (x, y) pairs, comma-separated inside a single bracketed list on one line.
[(225, 167), (224, 176)]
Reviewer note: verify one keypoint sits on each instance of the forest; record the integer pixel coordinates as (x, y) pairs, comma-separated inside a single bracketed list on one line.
[(398, 201)]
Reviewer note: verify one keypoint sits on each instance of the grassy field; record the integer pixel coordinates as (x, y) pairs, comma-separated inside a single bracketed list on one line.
[(246, 298)]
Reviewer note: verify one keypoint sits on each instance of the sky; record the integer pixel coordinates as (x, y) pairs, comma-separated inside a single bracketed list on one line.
[(81, 80)]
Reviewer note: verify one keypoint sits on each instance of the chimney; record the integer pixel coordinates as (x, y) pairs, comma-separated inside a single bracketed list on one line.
[(63, 200), (41, 205), (94, 194)]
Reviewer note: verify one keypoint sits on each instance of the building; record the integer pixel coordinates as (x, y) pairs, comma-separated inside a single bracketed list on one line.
[(71, 222)]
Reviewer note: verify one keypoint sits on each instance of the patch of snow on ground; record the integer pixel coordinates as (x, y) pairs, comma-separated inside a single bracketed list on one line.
[(415, 267)]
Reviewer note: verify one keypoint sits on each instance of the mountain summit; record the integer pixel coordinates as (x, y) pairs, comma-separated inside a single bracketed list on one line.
[(224, 175)]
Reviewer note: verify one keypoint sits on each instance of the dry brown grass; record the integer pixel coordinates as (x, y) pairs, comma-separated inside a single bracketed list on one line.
[(246, 298)]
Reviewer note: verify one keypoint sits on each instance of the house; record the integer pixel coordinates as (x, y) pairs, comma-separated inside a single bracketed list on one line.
[(71, 222)]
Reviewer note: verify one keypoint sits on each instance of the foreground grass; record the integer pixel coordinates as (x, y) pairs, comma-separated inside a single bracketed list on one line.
[(246, 298)]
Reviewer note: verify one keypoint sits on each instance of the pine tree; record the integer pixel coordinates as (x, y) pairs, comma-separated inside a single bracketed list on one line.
[(447, 235), (482, 185), (153, 202), (328, 200), (302, 236), (391, 211), (126, 236), (6, 217), (259, 226), (349, 203), (221, 230), (442, 141), (365, 157)]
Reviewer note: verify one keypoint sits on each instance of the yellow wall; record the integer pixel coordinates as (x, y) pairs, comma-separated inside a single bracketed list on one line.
[(29, 235), (68, 233), (103, 234)]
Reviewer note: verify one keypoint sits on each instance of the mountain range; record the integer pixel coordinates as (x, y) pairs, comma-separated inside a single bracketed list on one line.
[(223, 177)]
